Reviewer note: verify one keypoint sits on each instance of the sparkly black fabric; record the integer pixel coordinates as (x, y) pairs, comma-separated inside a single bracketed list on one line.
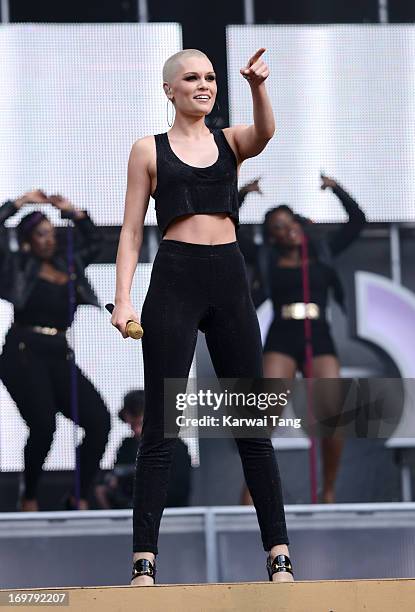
[(199, 286), (183, 189)]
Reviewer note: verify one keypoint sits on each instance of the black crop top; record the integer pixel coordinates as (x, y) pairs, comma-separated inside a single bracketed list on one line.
[(47, 305), (183, 189)]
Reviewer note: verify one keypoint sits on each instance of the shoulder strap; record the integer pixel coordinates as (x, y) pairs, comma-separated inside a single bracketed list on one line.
[(163, 150), (224, 144), (160, 139)]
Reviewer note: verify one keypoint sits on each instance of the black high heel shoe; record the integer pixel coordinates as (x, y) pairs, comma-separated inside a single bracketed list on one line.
[(281, 563), (144, 567)]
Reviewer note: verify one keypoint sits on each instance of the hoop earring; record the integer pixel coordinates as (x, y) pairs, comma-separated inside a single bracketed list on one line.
[(172, 119)]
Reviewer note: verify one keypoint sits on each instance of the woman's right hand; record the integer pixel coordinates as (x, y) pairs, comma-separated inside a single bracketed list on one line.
[(32, 197), (122, 313)]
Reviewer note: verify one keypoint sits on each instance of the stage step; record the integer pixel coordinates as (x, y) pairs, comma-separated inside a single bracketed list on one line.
[(300, 596)]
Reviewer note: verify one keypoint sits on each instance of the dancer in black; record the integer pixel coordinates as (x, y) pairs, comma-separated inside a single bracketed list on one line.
[(198, 281), (35, 363), (280, 277)]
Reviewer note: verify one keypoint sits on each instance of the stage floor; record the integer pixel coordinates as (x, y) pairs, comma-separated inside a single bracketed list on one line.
[(219, 544), (317, 596)]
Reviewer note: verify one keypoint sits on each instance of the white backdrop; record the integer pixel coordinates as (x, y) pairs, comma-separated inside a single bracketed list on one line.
[(73, 99), (344, 102)]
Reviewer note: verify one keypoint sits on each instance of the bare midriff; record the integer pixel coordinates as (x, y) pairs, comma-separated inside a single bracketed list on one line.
[(211, 229)]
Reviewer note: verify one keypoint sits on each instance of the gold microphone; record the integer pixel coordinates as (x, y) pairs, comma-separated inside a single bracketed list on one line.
[(132, 328)]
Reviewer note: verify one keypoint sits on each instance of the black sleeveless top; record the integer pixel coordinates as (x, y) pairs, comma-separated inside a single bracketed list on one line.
[(287, 285), (47, 305), (183, 189)]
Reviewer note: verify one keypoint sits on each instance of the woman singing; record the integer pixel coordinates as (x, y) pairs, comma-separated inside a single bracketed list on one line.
[(198, 281), (35, 365)]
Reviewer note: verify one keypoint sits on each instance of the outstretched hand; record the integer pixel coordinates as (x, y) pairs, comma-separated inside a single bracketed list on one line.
[(256, 70), (327, 182)]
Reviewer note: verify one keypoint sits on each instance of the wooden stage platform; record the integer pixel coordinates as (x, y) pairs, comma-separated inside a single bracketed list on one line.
[(300, 596)]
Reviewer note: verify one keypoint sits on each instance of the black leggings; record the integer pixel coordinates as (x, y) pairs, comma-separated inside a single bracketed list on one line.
[(198, 286), (36, 372)]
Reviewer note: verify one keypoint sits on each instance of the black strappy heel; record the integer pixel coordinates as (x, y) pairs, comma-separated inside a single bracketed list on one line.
[(144, 567), (281, 563)]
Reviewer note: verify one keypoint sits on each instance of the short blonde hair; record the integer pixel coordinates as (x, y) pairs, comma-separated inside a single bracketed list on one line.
[(170, 65)]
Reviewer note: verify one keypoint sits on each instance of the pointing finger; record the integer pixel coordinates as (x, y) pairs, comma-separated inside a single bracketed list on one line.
[(253, 60), (256, 56), (256, 65)]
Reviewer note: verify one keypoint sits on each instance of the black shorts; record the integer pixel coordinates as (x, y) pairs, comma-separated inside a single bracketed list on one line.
[(288, 337)]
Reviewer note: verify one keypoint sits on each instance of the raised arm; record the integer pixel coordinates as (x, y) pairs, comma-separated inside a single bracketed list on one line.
[(91, 237), (6, 210), (248, 188), (131, 236), (340, 239), (250, 140), (10, 207), (245, 238)]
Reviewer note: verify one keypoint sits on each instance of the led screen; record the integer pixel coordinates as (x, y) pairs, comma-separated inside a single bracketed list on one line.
[(344, 103)]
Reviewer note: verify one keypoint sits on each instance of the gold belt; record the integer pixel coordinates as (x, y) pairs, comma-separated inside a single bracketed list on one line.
[(47, 331), (300, 310)]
